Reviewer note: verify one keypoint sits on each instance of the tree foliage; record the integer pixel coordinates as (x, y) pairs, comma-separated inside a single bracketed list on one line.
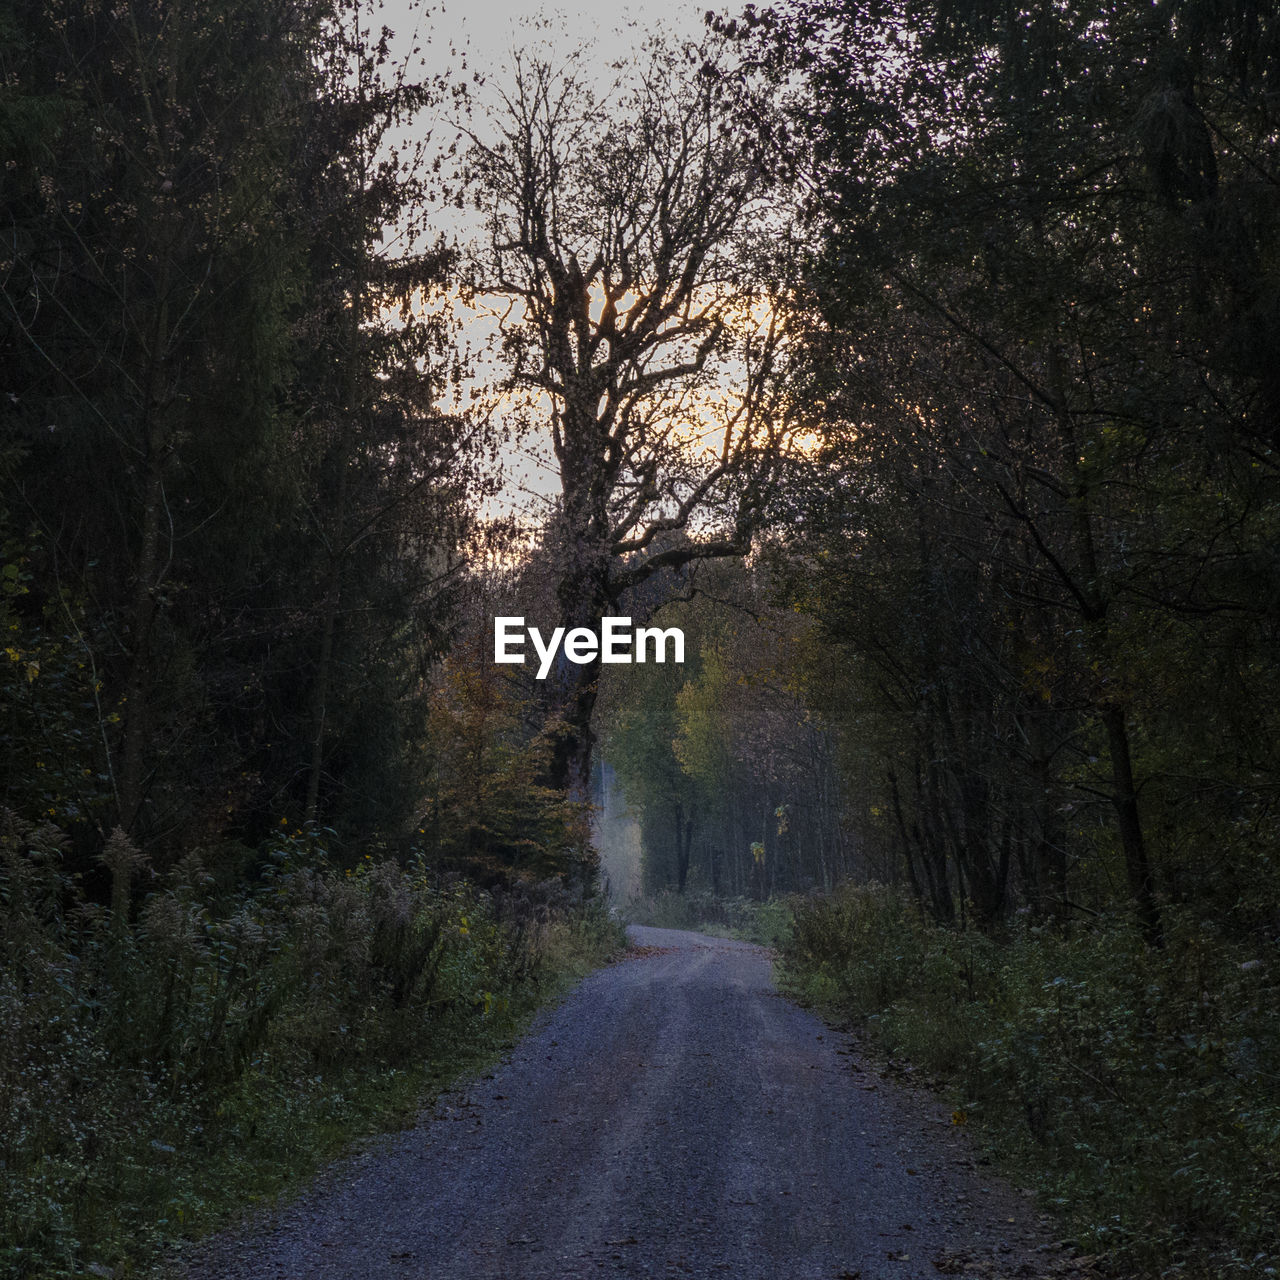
[(1048, 509), (733, 777), (237, 499)]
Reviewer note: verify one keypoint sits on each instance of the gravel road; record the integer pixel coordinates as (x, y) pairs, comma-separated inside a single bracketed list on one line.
[(674, 1117)]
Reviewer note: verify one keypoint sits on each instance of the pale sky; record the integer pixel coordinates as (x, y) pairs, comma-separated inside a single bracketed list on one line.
[(486, 32), (489, 29)]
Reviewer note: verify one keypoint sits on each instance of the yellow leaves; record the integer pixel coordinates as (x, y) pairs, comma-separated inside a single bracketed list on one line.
[(494, 1004), (1037, 672), (33, 670), (959, 1117)]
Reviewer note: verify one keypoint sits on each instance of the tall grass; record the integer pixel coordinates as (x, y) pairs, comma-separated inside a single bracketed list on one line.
[(163, 1056), (1140, 1087)]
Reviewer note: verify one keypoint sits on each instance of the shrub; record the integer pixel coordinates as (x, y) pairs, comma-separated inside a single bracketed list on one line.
[(153, 1049), (1134, 1083)]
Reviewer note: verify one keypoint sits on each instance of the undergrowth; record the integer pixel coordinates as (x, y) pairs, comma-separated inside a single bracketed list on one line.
[(183, 1051), (764, 922), (1140, 1088)]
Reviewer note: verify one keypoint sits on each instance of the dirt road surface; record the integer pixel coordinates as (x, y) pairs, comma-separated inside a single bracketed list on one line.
[(674, 1117)]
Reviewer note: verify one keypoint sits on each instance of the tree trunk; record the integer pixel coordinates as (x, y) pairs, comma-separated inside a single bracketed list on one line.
[(137, 700), (684, 842), (1124, 795), (324, 663), (1125, 798), (320, 693), (1049, 859), (573, 741), (584, 600), (138, 728)]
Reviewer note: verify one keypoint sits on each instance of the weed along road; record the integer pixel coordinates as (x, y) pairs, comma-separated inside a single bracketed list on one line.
[(675, 1116)]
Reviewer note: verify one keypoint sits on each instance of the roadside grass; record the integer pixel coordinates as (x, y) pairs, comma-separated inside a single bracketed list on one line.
[(766, 923), (268, 1146), (272, 1137), (180, 1055), (1137, 1089)]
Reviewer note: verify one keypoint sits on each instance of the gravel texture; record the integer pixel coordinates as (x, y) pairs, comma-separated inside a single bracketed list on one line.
[(674, 1117)]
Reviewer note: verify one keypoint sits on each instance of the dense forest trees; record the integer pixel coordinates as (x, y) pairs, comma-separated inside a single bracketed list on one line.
[(231, 506), (1021, 324), (268, 867), (1045, 541), (918, 358), (733, 776)]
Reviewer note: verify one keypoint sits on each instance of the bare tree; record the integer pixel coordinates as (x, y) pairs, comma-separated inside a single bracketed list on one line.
[(624, 246)]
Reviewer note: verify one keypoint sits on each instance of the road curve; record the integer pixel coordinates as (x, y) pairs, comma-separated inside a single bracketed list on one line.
[(674, 1117)]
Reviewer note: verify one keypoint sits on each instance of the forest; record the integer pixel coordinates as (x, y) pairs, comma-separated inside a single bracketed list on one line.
[(918, 359)]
